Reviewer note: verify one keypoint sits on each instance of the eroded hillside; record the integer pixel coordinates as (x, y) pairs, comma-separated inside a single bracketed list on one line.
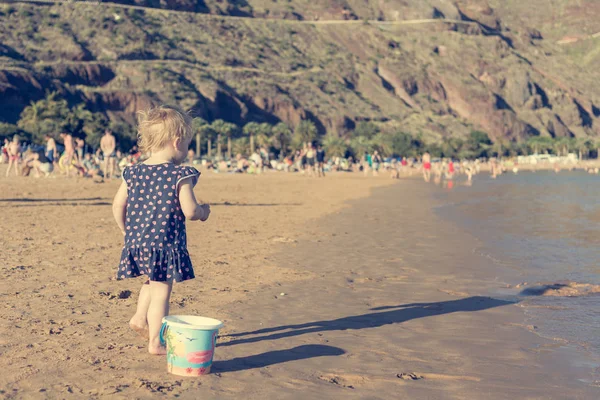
[(436, 68)]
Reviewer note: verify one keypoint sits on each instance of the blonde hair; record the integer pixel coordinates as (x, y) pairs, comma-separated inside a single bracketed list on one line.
[(160, 125)]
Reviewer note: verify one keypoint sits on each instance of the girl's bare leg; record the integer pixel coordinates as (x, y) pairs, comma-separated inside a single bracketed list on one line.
[(17, 169), (10, 163), (160, 294), (139, 321)]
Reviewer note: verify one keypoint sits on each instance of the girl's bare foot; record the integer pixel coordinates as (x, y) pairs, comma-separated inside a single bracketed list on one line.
[(157, 350), (140, 326)]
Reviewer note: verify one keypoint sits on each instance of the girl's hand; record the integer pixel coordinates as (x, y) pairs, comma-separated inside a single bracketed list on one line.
[(206, 210), (202, 212)]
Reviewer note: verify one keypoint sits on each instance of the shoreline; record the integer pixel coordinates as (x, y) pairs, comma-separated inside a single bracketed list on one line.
[(553, 283), (498, 354)]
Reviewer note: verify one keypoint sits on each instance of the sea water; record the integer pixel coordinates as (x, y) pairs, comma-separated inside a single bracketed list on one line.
[(538, 228)]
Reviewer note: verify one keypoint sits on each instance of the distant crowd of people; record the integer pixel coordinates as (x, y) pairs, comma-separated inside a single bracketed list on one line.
[(310, 160), (74, 158)]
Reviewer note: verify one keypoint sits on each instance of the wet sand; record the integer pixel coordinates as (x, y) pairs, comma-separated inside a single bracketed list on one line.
[(382, 298)]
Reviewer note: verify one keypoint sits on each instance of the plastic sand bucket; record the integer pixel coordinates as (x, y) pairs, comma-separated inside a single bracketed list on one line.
[(190, 343)]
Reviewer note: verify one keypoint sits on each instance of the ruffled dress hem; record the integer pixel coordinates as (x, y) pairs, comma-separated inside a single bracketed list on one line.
[(160, 265)]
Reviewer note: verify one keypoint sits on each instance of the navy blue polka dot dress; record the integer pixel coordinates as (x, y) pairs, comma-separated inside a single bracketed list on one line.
[(155, 239)]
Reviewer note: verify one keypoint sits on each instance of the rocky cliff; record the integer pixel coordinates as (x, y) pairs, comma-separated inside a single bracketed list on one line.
[(432, 67)]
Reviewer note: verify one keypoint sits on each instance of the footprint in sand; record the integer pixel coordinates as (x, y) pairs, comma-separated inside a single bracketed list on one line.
[(377, 279), (283, 240), (396, 259), (411, 376), (453, 293), (354, 381), (171, 387), (344, 380), (142, 331), (415, 376)]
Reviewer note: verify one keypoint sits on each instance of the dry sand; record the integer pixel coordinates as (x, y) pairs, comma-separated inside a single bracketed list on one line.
[(382, 299)]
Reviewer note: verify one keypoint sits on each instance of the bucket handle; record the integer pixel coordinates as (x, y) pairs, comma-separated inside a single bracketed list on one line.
[(163, 330)]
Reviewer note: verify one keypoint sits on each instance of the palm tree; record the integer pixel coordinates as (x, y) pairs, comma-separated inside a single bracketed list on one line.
[(50, 114), (476, 145), (305, 132), (562, 145), (282, 135), (366, 129), (240, 146), (516, 148), (199, 125), (264, 134), (583, 147), (30, 119), (499, 148), (210, 135), (360, 145), (219, 145), (451, 146), (557, 145), (383, 144), (224, 130), (540, 143), (334, 145), (250, 129)]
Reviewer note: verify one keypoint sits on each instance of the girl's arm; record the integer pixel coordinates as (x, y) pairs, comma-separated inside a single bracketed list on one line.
[(189, 205), (120, 206)]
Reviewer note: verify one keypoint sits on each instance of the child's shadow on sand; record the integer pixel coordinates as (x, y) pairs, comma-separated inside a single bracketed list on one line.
[(393, 315)]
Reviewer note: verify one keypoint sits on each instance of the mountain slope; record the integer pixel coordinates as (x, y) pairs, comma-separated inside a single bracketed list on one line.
[(466, 69)]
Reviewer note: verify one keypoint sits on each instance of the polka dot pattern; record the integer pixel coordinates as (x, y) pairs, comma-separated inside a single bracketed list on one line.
[(155, 238)]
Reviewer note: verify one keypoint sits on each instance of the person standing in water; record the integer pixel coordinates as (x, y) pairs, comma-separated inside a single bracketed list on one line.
[(426, 167), (494, 168), (151, 207), (108, 144), (450, 171)]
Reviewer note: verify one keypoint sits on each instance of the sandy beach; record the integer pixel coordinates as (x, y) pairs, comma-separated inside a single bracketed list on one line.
[(344, 287)]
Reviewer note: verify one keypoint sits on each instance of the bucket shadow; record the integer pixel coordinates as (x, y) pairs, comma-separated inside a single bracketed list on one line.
[(276, 357), (393, 315)]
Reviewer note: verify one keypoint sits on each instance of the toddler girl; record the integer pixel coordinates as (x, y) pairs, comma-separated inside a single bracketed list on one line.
[(151, 207)]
